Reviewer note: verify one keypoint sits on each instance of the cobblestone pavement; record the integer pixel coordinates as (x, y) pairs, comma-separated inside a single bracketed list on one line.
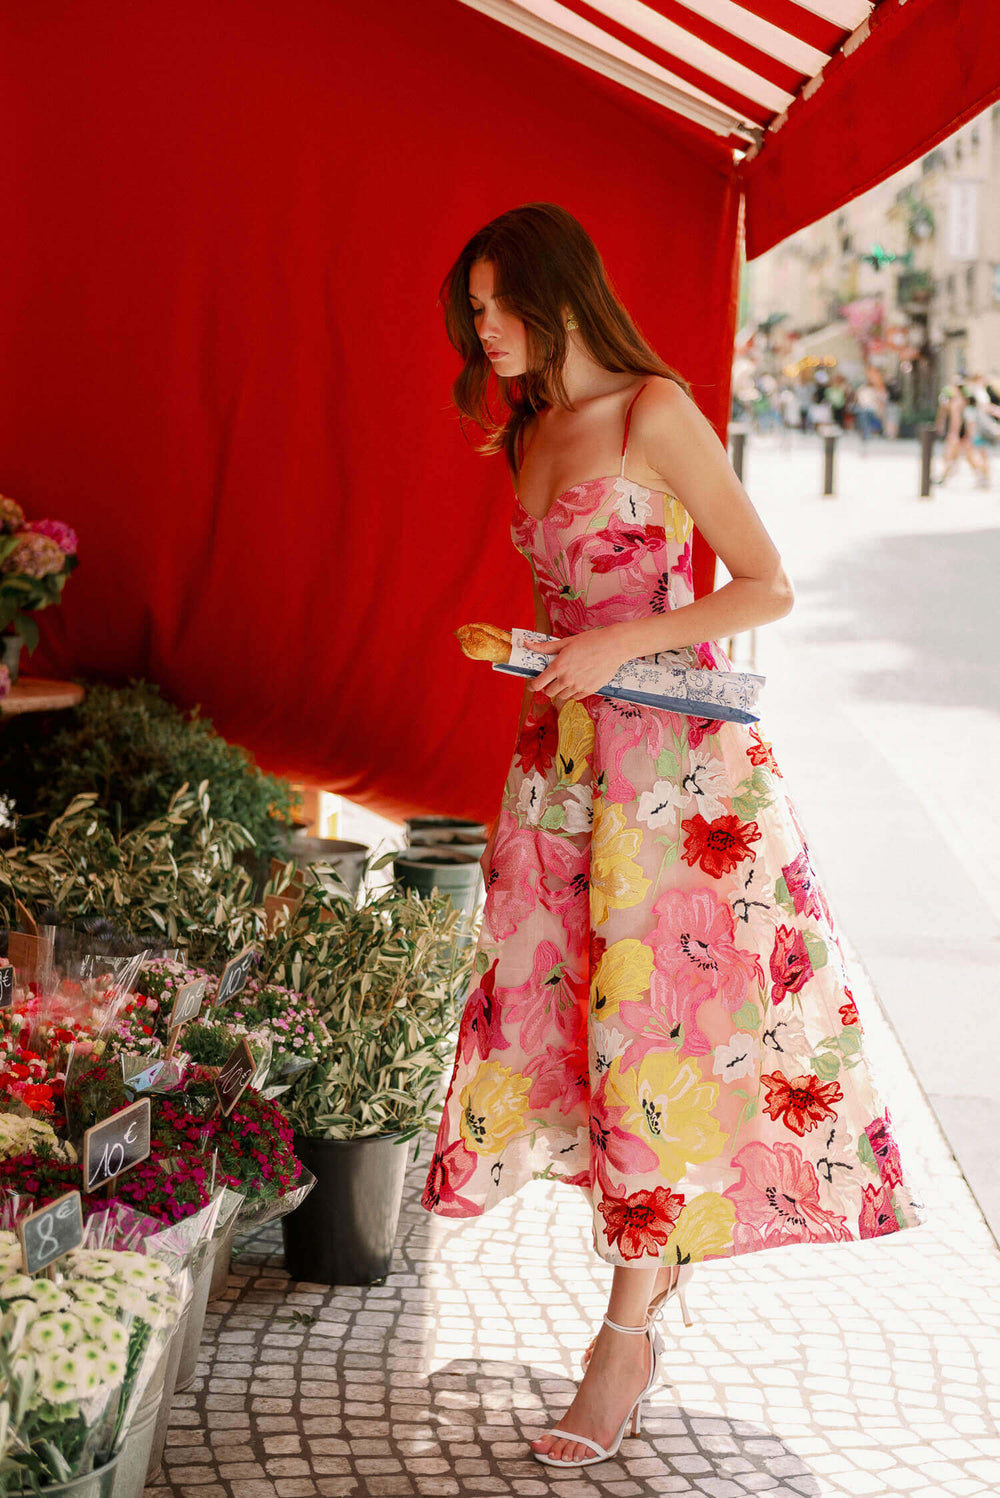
[(869, 1368)]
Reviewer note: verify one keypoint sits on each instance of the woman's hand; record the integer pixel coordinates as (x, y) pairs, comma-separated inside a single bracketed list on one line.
[(581, 664)]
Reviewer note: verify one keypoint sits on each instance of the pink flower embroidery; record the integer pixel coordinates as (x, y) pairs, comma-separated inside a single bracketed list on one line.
[(450, 1169), (561, 1077), (885, 1150), (777, 1200), (554, 995), (806, 895), (510, 896), (632, 725), (611, 1146), (876, 1217), (696, 958), (790, 964)]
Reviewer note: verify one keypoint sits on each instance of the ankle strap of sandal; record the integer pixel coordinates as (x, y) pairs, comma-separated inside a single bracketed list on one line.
[(638, 1331)]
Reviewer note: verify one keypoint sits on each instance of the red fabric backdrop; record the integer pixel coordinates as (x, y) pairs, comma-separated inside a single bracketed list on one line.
[(221, 359)]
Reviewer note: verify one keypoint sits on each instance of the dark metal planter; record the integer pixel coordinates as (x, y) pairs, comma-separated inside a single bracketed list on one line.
[(343, 1232)]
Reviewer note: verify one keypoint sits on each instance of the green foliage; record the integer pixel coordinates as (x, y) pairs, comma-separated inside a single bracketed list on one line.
[(172, 880), (131, 749), (388, 976)]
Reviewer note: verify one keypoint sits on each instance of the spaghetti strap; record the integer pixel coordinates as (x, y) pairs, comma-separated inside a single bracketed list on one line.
[(628, 423)]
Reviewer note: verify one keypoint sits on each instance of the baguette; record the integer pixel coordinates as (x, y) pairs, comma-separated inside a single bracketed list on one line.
[(485, 642)]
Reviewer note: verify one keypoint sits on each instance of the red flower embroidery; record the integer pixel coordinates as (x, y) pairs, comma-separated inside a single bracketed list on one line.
[(720, 845), (885, 1150), (790, 964), (760, 753), (800, 1102), (876, 1217), (849, 1011), (641, 1223), (480, 1028), (536, 745)]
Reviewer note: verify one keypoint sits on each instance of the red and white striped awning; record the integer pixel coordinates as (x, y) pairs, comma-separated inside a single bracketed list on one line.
[(813, 101), (729, 69)]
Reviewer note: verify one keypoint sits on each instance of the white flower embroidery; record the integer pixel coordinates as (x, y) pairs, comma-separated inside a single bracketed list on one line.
[(710, 788), (605, 1044), (633, 505), (579, 809), (657, 807), (531, 797), (738, 1057)]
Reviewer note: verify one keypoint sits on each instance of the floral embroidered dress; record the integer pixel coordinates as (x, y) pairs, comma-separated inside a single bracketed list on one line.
[(659, 1012)]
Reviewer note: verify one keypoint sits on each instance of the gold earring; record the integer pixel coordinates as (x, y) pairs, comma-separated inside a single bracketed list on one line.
[(571, 323)]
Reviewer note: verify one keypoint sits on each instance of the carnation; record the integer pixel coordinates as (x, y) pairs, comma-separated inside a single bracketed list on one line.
[(58, 531), (35, 556)]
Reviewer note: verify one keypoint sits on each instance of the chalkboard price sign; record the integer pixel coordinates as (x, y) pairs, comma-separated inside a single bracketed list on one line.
[(235, 975), (115, 1144), (187, 1003), (6, 987), (51, 1232), (234, 1078)]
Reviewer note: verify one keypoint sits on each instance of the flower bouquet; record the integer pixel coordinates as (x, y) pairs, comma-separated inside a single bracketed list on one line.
[(36, 557), (77, 1353)]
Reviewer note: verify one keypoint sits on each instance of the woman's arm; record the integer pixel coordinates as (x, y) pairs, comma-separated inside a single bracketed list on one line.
[(679, 443)]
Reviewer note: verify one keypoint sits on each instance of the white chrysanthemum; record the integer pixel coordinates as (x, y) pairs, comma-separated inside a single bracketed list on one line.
[(140, 1275), (49, 1296), (91, 1264), (86, 1293), (46, 1335), (70, 1326), (59, 1377), (17, 1284), (95, 1321)]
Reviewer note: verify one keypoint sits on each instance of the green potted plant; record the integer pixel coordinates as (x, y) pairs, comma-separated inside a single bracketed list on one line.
[(389, 991)]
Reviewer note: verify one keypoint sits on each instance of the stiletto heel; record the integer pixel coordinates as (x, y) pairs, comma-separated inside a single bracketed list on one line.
[(658, 1304), (633, 1417)]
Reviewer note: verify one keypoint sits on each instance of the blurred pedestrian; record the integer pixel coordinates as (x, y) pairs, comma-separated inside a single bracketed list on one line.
[(956, 420)]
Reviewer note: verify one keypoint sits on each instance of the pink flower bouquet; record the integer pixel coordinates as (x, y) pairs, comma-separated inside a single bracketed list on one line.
[(36, 557)]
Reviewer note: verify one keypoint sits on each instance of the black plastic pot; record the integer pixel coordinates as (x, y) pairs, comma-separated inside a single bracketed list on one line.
[(344, 1231), (424, 830)]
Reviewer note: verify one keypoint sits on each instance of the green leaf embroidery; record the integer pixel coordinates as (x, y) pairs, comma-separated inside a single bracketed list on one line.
[(816, 947), (553, 818), (782, 897), (826, 1065), (666, 765), (747, 1018)]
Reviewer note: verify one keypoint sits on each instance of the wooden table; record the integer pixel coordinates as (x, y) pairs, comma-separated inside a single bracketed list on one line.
[(33, 694)]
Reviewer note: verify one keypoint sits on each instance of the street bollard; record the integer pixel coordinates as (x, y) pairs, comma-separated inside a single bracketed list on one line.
[(738, 438), (927, 435), (829, 435)]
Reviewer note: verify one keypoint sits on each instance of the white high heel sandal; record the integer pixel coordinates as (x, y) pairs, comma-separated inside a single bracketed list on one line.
[(634, 1414), (659, 1303)]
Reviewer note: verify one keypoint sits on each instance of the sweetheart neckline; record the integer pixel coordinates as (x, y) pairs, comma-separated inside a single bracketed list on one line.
[(601, 479)]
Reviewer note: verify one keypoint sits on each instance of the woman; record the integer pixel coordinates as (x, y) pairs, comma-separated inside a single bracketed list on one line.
[(660, 1014)]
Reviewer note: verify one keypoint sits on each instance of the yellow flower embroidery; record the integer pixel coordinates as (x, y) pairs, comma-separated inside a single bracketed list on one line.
[(676, 521), (670, 1107), (576, 741), (616, 882), (704, 1228), (622, 973), (493, 1106)]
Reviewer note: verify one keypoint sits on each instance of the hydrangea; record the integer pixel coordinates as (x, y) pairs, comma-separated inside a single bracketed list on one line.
[(35, 556), (58, 531), (11, 515)]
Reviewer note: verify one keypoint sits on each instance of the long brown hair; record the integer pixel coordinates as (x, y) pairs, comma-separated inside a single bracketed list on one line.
[(545, 263)]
